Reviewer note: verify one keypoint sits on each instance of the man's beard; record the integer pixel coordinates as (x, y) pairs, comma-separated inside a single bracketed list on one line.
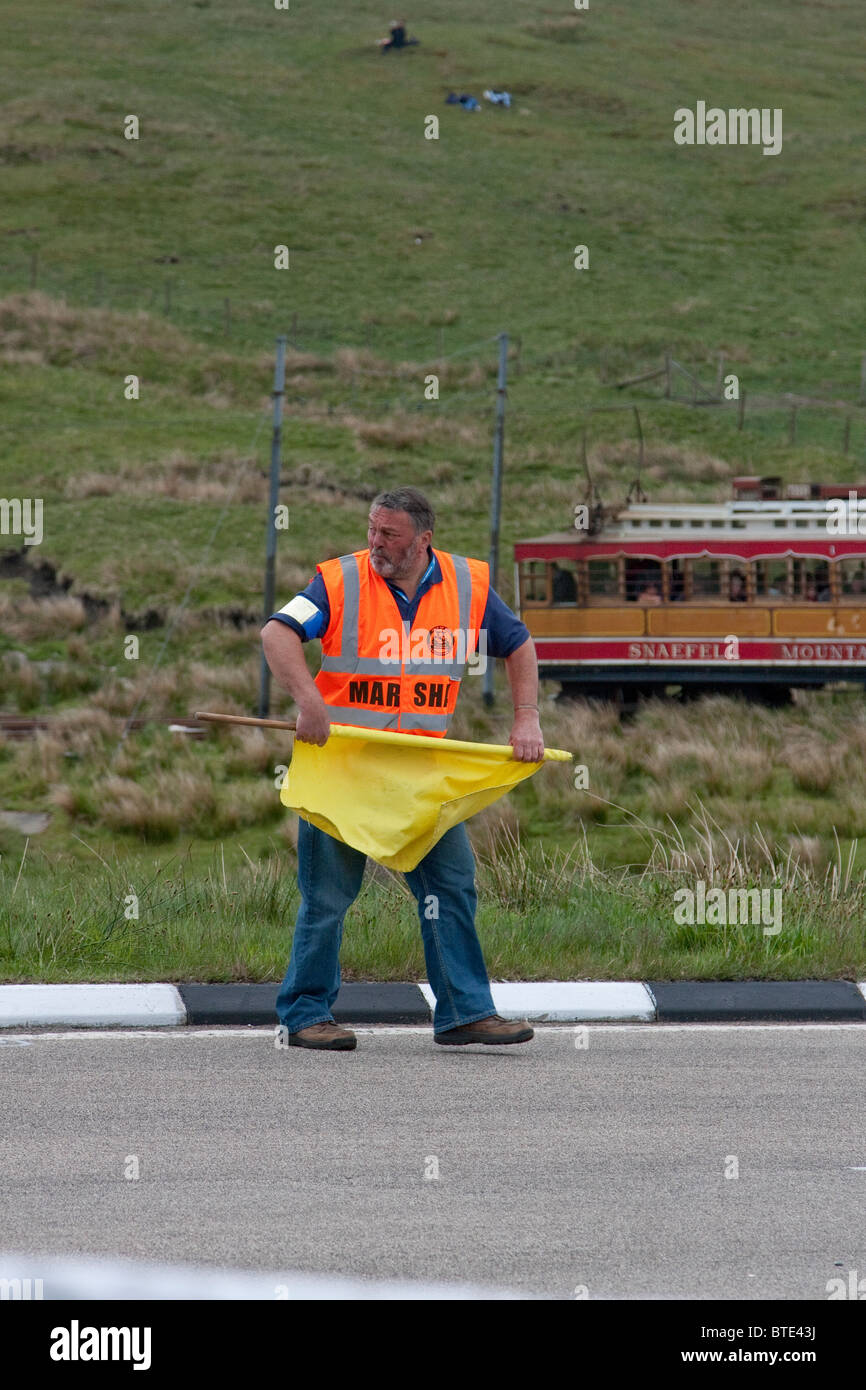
[(399, 568)]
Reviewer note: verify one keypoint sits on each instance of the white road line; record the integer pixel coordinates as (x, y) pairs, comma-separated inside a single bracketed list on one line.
[(258, 1033), (559, 1000), (96, 1278), (108, 1005)]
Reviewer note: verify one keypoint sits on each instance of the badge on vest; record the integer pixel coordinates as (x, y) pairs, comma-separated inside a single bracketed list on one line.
[(440, 642)]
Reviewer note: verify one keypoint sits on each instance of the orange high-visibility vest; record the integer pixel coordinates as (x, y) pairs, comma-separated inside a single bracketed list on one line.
[(377, 673)]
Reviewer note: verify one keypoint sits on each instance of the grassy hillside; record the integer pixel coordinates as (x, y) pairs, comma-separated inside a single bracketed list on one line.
[(261, 127), (155, 257)]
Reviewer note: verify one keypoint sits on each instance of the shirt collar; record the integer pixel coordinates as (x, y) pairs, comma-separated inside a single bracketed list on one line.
[(431, 569)]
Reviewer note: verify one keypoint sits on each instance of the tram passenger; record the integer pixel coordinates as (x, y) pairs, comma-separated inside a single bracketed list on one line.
[(564, 587), (649, 593), (737, 587)]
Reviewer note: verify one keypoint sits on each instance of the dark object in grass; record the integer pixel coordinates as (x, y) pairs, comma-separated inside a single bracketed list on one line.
[(469, 103), (396, 37)]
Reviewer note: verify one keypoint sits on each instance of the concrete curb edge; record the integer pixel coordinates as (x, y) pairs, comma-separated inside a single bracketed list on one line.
[(552, 1001)]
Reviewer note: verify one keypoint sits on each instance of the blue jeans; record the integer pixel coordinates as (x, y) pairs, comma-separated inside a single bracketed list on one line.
[(329, 877)]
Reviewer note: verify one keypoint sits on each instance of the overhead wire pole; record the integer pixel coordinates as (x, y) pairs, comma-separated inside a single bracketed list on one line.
[(273, 501), (496, 496)]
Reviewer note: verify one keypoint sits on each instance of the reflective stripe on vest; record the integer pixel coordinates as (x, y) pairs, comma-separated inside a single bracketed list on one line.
[(464, 599), (398, 687), (349, 663), (382, 719)]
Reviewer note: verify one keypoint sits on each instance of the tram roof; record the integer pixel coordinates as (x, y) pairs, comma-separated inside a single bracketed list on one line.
[(559, 537), (755, 516), (756, 507)]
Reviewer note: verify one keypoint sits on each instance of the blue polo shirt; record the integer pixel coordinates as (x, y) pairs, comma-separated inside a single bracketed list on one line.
[(309, 613)]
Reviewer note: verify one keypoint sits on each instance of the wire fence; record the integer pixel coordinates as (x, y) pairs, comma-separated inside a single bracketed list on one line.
[(229, 317), (561, 370)]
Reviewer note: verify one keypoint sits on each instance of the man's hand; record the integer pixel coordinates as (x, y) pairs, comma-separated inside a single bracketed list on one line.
[(526, 736), (313, 724)]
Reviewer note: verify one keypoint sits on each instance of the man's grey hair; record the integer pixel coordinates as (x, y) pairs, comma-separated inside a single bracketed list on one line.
[(411, 500)]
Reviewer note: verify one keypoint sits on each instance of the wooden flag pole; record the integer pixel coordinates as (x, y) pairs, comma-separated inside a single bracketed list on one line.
[(447, 745), (244, 719)]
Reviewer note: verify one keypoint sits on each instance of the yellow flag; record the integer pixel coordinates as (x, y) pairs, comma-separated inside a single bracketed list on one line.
[(392, 796)]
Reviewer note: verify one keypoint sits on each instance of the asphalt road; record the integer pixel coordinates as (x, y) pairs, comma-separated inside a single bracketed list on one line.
[(560, 1168)]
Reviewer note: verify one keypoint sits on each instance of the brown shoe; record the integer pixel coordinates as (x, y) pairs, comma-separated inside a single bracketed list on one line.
[(327, 1036), (487, 1030)]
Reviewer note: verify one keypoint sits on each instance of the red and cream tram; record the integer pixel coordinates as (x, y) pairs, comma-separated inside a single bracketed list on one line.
[(761, 593)]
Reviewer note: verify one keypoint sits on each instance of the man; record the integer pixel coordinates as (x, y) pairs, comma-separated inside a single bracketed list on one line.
[(564, 586), (737, 587), (649, 593), (398, 594), (396, 37)]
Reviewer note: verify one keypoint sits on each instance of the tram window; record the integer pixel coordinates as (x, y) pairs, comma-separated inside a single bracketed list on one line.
[(603, 576), (771, 579), (564, 583), (533, 581), (852, 579), (643, 581), (696, 524), (706, 579), (677, 587), (813, 583)]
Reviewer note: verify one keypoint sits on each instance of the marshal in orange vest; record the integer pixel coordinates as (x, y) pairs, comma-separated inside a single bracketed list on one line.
[(378, 674)]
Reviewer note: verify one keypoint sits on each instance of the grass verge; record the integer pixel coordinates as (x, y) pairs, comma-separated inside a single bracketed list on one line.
[(542, 916)]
